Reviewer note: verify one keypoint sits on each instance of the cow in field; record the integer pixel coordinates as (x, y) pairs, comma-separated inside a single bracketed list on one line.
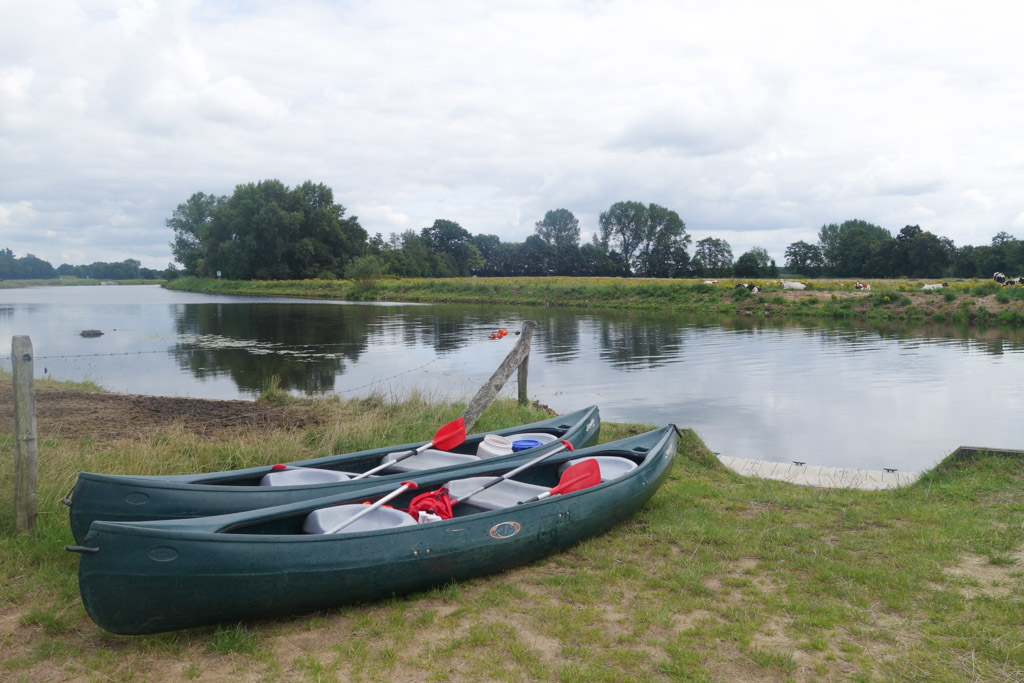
[(861, 285), (752, 288), (999, 277), (937, 285), (792, 285)]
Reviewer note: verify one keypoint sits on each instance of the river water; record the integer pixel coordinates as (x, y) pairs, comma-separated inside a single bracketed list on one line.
[(827, 393)]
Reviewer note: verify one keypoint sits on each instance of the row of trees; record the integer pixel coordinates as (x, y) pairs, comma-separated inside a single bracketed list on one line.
[(857, 248), (30, 267), (266, 230)]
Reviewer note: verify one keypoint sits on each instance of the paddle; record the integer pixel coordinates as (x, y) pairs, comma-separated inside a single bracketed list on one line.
[(579, 476), (406, 485), (512, 473), (449, 436)]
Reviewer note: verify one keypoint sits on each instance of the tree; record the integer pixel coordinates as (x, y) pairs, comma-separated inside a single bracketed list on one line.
[(28, 267), (454, 253), (926, 255), (856, 248), (189, 222), (756, 263), (804, 258), (828, 243), (714, 256), (266, 230), (596, 260), (625, 225), (651, 239), (663, 251), (560, 229)]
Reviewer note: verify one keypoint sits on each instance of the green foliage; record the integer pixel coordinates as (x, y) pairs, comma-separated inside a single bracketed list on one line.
[(712, 257), (365, 271), (756, 263), (265, 230), (651, 239), (804, 258), (27, 267)]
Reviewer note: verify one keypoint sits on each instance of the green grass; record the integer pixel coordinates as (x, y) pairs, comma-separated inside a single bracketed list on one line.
[(719, 578), (888, 299)]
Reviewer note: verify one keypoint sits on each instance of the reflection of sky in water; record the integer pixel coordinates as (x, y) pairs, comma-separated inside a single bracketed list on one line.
[(829, 395)]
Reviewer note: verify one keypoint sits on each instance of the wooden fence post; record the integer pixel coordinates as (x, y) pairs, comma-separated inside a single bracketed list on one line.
[(515, 358), (26, 453), (524, 370)]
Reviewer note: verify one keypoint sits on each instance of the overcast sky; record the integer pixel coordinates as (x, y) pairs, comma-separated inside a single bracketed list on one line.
[(758, 122)]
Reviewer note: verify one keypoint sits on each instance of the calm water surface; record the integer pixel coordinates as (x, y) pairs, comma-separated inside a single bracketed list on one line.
[(821, 392)]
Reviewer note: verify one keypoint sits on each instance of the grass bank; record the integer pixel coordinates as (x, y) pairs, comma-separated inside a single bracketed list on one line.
[(719, 578), (967, 302)]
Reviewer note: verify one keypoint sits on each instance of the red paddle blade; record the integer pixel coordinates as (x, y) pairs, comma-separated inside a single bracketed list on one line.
[(580, 476), (450, 435)]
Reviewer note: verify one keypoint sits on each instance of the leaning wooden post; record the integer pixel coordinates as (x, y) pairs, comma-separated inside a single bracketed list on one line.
[(524, 370), (26, 453), (519, 353)]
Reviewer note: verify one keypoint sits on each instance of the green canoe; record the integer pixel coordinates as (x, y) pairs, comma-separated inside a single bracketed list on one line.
[(149, 577), (124, 498)]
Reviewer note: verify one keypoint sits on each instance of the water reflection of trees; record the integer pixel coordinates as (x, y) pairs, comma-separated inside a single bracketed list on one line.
[(304, 345), (637, 342), (557, 336), (991, 339)]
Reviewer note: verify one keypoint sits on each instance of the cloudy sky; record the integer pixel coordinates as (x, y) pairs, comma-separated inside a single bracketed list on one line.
[(757, 122)]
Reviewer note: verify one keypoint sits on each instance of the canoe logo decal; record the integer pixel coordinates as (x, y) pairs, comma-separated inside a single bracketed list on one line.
[(136, 498), (505, 530), (163, 553)]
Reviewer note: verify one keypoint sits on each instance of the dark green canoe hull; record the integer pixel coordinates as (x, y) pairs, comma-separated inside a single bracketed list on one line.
[(159, 576), (119, 498)]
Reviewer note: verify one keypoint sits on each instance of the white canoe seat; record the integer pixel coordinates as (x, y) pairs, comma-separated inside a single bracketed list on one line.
[(428, 460), (300, 476), (611, 466), (323, 520), (505, 494), (543, 437)]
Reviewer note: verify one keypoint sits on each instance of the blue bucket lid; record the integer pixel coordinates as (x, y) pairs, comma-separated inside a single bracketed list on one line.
[(524, 445)]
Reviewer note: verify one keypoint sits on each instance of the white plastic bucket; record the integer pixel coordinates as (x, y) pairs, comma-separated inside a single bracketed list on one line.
[(494, 445)]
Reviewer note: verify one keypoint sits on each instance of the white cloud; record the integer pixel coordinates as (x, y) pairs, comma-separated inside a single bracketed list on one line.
[(17, 216), (749, 120)]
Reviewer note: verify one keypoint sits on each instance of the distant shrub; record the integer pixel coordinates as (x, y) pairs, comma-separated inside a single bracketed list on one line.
[(365, 271)]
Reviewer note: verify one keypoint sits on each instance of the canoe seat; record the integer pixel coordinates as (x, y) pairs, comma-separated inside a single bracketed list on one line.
[(611, 466), (505, 494), (428, 460), (323, 520), (299, 476)]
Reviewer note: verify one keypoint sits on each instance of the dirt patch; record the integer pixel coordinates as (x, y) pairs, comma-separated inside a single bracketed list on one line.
[(977, 576), (70, 413)]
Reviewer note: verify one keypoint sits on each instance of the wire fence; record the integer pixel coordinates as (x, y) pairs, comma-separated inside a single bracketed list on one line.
[(6, 360)]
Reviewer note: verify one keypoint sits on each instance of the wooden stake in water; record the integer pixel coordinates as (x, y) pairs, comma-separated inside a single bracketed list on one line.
[(26, 453)]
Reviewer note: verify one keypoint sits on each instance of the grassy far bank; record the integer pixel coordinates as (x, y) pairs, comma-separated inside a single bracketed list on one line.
[(719, 578), (977, 302)]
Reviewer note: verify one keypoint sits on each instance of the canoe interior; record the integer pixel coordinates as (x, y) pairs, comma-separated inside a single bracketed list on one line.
[(545, 474), (355, 466)]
